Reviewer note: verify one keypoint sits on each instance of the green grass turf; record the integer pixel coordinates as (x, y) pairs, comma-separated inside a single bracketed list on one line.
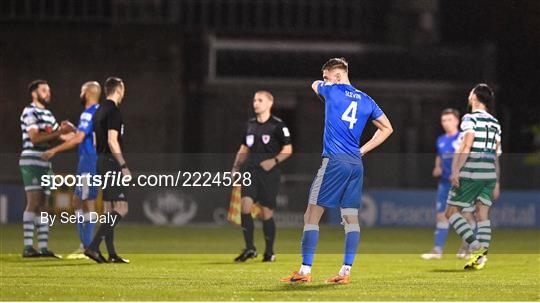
[(195, 263)]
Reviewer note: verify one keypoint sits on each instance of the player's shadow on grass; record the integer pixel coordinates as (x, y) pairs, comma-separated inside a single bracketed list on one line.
[(301, 286), (31, 261), (448, 270), (62, 264), (226, 263)]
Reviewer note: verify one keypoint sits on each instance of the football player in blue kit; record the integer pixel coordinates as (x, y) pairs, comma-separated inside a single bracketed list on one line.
[(85, 195), (447, 144), (338, 182)]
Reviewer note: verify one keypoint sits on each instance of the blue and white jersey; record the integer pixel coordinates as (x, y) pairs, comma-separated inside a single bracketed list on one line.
[(347, 110), (446, 147), (87, 150)]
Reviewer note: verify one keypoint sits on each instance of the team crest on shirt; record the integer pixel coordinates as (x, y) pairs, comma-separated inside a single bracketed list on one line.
[(456, 144), (250, 139), (265, 139)]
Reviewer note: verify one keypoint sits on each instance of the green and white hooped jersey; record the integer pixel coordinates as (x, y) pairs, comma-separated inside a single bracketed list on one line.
[(43, 120), (480, 164)]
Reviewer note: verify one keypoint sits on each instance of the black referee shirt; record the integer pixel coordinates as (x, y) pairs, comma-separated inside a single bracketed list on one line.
[(107, 117), (265, 140)]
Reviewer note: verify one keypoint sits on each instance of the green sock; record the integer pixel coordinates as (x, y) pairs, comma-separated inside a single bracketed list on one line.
[(463, 229), (484, 233)]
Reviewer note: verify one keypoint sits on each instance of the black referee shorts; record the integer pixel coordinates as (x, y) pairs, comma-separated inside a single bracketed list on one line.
[(111, 193), (264, 186)]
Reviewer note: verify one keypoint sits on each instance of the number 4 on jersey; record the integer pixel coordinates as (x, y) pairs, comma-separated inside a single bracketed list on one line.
[(349, 114)]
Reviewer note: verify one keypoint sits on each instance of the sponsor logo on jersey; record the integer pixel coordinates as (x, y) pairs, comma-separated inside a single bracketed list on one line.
[(86, 116), (456, 144)]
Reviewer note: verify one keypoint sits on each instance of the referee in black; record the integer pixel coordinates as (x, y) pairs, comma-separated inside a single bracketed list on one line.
[(109, 130), (265, 144)]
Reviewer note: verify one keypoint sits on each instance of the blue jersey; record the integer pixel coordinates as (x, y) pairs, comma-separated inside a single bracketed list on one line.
[(87, 150), (446, 147), (347, 110)]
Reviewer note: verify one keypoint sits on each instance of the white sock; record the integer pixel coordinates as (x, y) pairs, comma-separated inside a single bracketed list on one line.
[(474, 245), (345, 270), (43, 233), (28, 228), (304, 270), (473, 225)]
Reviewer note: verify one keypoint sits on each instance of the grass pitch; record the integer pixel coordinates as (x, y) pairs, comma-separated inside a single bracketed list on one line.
[(195, 263)]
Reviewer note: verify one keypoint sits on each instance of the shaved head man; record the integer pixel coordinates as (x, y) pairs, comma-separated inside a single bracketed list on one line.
[(85, 195), (90, 90)]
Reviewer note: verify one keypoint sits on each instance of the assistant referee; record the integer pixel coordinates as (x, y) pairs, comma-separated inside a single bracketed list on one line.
[(265, 144), (109, 130)]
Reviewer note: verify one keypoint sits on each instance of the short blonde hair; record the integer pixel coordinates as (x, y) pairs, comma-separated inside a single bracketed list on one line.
[(334, 63), (266, 93)]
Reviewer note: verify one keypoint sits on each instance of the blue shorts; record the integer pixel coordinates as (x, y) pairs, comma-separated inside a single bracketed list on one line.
[(86, 192), (442, 195), (87, 166), (337, 184)]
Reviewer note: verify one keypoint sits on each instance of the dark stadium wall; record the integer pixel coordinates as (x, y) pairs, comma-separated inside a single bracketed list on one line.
[(148, 59), (153, 60), (170, 107), (514, 28)]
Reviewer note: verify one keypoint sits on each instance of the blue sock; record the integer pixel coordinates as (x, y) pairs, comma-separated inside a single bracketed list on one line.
[(88, 233), (80, 230), (352, 238), (309, 243), (80, 226), (441, 233), (88, 230)]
